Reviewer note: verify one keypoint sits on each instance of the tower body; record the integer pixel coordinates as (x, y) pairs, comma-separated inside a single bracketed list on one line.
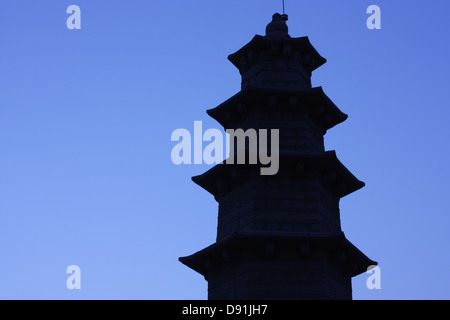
[(279, 236)]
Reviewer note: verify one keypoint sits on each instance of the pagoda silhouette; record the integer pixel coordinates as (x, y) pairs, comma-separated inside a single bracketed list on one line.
[(279, 236)]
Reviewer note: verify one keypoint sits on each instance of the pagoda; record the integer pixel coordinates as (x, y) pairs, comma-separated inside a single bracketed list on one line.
[(279, 236)]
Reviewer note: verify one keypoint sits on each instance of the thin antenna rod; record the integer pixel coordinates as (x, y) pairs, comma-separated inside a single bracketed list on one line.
[(284, 16)]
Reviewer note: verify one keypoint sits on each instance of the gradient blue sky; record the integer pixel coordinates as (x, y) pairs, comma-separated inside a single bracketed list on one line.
[(86, 117)]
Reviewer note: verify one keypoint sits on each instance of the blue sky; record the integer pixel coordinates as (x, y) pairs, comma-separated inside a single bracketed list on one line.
[(86, 118)]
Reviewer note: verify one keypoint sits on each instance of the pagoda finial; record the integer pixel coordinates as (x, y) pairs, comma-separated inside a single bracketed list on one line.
[(278, 27)]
